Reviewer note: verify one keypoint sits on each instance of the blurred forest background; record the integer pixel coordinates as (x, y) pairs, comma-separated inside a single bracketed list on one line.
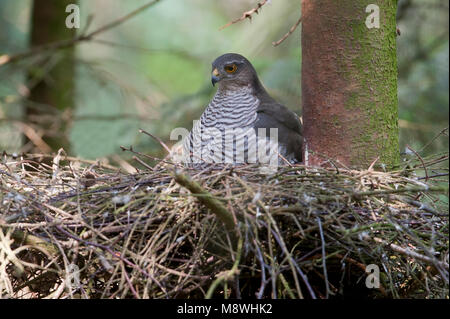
[(153, 72)]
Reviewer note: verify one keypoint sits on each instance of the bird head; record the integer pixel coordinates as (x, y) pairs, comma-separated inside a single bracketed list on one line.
[(232, 70)]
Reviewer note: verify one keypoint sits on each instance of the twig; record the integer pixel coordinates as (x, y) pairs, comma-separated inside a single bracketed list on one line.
[(213, 204), (420, 205), (137, 159), (421, 160), (408, 252), (246, 14), (227, 275), (286, 285), (24, 238), (291, 261), (442, 189), (5, 59), (263, 271), (442, 132), (373, 163), (291, 30), (130, 284), (114, 254), (68, 158), (160, 160), (433, 176), (324, 263), (157, 139), (34, 137), (122, 19)]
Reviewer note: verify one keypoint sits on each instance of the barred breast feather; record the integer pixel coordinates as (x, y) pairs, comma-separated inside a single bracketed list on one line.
[(225, 129)]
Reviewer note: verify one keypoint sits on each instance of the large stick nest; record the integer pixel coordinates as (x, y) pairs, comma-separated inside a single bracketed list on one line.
[(70, 229)]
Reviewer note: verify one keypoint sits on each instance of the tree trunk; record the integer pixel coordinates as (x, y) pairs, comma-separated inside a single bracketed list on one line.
[(52, 80), (349, 83)]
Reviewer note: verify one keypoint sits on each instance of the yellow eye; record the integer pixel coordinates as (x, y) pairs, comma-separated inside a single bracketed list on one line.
[(231, 68)]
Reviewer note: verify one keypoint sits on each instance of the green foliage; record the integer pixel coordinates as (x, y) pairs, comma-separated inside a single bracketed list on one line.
[(156, 67), (175, 75)]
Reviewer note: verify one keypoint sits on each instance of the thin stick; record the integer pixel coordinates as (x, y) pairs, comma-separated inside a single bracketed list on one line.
[(156, 138), (277, 43), (408, 252), (324, 263), (68, 158), (373, 163), (442, 132), (208, 200), (22, 237), (5, 59), (137, 159), (246, 15), (421, 160), (420, 205), (122, 20), (130, 149), (434, 176), (225, 276)]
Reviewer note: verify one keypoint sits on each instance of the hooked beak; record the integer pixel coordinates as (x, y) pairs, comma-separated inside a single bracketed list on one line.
[(215, 77)]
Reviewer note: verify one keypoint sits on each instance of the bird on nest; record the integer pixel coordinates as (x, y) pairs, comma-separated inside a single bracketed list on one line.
[(243, 123)]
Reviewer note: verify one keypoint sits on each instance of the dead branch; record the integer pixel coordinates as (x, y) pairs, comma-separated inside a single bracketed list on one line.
[(291, 30), (246, 15), (410, 253), (207, 199), (421, 160), (58, 45)]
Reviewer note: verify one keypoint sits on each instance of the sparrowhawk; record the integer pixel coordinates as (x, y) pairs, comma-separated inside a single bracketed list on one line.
[(243, 122)]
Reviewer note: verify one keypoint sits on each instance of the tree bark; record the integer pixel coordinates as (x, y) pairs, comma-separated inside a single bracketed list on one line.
[(349, 83), (53, 82)]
